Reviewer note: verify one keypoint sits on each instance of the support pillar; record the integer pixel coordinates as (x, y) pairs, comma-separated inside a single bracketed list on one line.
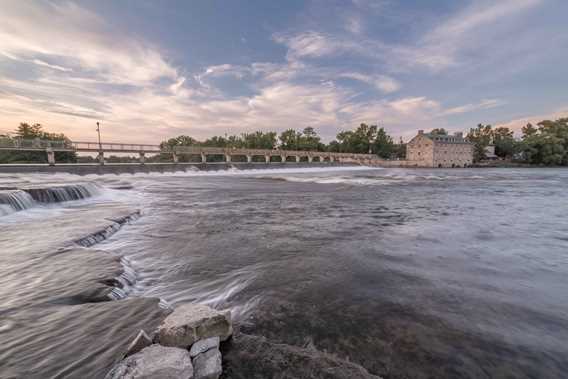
[(297, 159), (249, 158), (310, 159), (228, 158), (175, 157), (142, 157), (203, 158), (50, 157), (283, 158), (267, 158), (101, 158)]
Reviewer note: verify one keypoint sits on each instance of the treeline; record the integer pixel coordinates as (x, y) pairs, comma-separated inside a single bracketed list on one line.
[(543, 144), (33, 131), (366, 139)]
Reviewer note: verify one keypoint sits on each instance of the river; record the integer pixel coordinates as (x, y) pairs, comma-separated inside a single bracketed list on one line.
[(409, 273)]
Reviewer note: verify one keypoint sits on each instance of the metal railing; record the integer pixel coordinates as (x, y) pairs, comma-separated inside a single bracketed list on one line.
[(39, 144)]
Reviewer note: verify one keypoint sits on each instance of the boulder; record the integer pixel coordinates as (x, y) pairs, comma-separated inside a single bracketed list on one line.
[(154, 362), (141, 341), (208, 364), (203, 345), (190, 323)]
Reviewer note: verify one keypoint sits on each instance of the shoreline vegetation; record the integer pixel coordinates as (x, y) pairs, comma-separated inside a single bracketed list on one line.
[(545, 144)]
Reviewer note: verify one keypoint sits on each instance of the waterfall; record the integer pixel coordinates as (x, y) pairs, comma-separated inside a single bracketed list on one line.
[(20, 199), (62, 193), (13, 201)]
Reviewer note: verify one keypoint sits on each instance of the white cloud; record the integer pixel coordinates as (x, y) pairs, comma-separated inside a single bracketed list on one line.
[(383, 83), (440, 47), (52, 66), (483, 104), (517, 123)]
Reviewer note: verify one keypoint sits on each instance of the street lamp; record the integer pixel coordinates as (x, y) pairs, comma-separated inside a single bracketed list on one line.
[(99, 133)]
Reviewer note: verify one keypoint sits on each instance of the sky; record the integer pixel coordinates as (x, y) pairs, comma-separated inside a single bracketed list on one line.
[(150, 70)]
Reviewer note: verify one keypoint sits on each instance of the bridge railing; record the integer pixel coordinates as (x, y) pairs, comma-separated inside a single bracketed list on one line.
[(116, 147), (39, 144), (33, 144)]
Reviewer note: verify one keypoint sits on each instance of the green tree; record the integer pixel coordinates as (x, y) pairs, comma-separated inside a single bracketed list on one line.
[(505, 144), (383, 145), (547, 144), (480, 137), (290, 140), (439, 132), (35, 131)]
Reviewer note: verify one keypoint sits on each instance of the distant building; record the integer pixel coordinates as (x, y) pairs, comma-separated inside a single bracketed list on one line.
[(490, 152), (439, 150)]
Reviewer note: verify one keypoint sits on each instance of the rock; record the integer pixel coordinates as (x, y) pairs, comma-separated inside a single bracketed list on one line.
[(208, 364), (154, 362), (203, 345), (190, 323), (141, 341)]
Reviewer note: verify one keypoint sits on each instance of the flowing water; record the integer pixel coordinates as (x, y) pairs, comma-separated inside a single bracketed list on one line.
[(408, 273)]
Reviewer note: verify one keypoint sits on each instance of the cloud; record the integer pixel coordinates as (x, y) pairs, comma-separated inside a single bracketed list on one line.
[(383, 83), (81, 39), (312, 44), (483, 104), (516, 124), (478, 23), (52, 66)]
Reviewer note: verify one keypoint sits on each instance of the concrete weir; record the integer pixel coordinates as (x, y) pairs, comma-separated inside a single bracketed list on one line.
[(86, 169)]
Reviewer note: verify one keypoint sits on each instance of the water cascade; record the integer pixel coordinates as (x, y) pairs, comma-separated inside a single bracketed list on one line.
[(13, 201), (62, 193)]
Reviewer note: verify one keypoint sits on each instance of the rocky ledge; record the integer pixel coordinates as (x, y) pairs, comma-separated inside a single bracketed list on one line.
[(185, 346)]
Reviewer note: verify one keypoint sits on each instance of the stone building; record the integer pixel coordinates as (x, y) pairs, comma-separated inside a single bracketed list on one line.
[(435, 150)]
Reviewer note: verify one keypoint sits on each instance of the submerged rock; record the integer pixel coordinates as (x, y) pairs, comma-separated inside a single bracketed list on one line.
[(204, 345), (249, 356), (141, 341), (208, 364), (154, 362), (190, 323)]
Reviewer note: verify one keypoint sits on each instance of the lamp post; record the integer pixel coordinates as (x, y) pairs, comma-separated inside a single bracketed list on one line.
[(101, 159), (99, 133)]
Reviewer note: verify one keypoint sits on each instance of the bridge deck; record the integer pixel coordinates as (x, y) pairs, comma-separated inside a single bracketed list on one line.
[(94, 147)]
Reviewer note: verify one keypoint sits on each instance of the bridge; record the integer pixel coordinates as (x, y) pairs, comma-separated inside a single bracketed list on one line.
[(51, 147)]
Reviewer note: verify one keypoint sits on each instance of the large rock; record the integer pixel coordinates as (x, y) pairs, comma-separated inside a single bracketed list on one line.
[(203, 345), (208, 364), (190, 323), (154, 362)]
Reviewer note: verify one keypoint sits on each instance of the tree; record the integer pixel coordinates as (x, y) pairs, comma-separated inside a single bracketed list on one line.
[(290, 140), (480, 137), (35, 131), (547, 144), (439, 132), (383, 145), (505, 144)]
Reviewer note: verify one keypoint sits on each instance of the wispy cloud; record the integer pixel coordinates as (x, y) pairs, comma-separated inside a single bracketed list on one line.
[(65, 66), (383, 83), (483, 104)]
